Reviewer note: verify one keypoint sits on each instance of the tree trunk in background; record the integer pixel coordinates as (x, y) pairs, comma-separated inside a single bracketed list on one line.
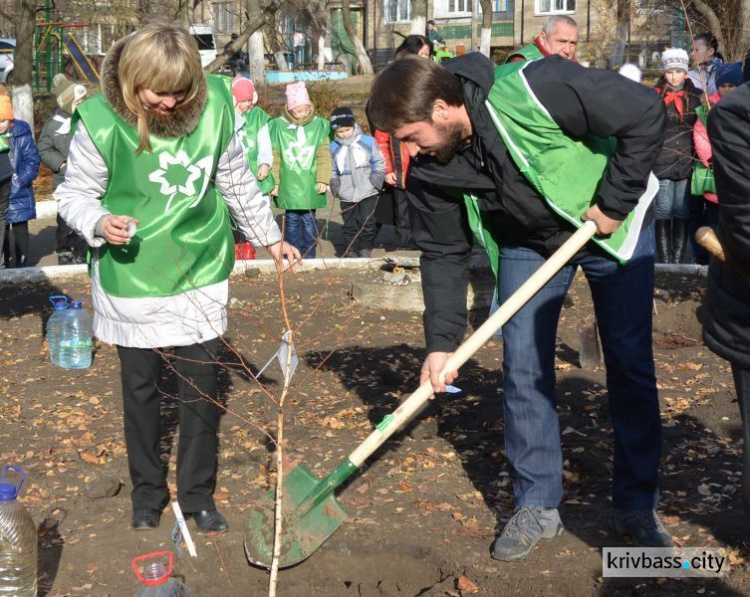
[(486, 36), (359, 48), (418, 17), (182, 12), (256, 50), (23, 101)]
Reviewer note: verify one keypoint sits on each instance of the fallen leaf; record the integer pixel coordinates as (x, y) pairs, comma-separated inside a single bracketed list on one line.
[(466, 585)]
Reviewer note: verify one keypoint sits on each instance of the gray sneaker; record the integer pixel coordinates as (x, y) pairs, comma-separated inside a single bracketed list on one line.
[(528, 526), (643, 526)]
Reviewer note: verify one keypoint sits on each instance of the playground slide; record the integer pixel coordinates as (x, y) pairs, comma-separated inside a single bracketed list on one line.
[(85, 68)]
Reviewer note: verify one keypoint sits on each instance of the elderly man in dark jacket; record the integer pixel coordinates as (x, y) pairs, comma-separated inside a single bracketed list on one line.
[(726, 328), (518, 155)]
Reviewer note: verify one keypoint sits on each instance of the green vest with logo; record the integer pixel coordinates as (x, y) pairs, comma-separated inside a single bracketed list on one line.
[(566, 172), (296, 147), (702, 180), (184, 238), (252, 121), (530, 52)]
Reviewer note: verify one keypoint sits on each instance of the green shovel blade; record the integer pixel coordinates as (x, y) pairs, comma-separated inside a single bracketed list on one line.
[(303, 530)]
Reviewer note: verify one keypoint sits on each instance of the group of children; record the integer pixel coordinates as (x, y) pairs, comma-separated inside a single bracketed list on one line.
[(298, 156)]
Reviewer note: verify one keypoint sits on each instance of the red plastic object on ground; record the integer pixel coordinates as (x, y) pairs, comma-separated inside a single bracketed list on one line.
[(244, 251)]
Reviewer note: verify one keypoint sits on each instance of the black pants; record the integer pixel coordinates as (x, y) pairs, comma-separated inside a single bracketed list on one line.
[(20, 244), (198, 421), (4, 203), (359, 223), (67, 240)]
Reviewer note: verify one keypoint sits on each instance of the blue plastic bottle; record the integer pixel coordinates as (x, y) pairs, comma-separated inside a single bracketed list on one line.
[(18, 541), (76, 338), (55, 326)]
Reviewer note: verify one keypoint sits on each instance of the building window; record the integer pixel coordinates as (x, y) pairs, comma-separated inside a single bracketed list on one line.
[(397, 11), (555, 7), (497, 6), (459, 8), (223, 17)]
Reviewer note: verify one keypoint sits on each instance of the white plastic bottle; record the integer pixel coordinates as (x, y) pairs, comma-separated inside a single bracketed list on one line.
[(18, 541), (55, 325), (76, 338)]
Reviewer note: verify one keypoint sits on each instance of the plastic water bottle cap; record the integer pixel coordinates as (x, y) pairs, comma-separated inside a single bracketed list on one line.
[(76, 305), (8, 492)]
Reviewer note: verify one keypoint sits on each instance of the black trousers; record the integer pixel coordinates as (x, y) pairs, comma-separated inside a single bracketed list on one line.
[(67, 240), (198, 421), (359, 223), (20, 232), (401, 217)]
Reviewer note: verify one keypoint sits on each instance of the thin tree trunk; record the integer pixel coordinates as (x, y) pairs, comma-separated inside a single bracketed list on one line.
[(256, 48), (418, 17), (321, 38), (486, 36), (23, 101), (359, 47)]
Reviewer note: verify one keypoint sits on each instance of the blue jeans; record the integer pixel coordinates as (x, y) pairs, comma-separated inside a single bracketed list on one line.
[(301, 231), (673, 200), (623, 299)]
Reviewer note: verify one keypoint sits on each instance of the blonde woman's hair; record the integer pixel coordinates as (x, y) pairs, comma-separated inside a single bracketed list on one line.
[(163, 57)]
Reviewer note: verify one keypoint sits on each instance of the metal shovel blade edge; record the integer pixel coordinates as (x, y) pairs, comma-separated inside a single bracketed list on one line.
[(302, 534)]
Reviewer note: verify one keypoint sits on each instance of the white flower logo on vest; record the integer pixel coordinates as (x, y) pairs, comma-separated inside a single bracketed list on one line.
[(298, 153), (201, 168), (245, 140)]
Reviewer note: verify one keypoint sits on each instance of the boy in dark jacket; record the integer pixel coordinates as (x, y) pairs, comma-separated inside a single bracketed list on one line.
[(357, 176), (54, 144)]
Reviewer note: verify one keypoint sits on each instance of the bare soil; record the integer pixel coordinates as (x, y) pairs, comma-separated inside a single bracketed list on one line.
[(424, 511)]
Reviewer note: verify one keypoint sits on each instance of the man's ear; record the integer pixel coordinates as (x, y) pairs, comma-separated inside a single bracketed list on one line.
[(440, 112)]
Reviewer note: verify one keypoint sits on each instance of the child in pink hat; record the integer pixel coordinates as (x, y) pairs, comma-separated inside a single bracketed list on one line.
[(301, 165), (253, 135)]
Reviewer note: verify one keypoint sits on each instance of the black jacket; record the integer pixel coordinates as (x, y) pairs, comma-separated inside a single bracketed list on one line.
[(580, 101), (726, 326), (675, 161)]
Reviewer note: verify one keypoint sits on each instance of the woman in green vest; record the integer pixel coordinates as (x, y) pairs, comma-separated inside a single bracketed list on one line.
[(301, 167), (154, 171)]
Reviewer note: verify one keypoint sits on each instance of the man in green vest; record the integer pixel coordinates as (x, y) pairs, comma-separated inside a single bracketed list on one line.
[(559, 37), (520, 155)]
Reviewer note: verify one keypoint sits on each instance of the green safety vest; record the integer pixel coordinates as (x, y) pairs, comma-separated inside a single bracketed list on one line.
[(702, 180), (252, 121), (566, 172), (530, 52), (296, 146), (184, 239), (4, 142)]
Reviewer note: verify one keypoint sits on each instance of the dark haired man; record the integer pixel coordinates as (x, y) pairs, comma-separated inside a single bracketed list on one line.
[(520, 155)]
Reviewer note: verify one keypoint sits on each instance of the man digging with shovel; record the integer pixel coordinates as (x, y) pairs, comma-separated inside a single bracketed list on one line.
[(519, 156)]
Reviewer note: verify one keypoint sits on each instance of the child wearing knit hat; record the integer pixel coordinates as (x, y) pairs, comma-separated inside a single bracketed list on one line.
[(252, 133), (301, 167), (674, 165), (54, 145), (19, 166)]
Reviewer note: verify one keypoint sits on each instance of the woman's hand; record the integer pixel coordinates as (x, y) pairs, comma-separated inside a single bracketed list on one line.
[(115, 229), (263, 171), (322, 187), (283, 250), (390, 178)]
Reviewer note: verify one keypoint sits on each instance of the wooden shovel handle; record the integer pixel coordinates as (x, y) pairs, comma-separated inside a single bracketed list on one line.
[(463, 353), (706, 238)]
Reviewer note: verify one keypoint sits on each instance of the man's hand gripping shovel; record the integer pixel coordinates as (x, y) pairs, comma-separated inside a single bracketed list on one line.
[(311, 513)]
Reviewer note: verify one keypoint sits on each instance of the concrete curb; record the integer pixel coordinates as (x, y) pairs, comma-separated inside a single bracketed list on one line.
[(54, 273)]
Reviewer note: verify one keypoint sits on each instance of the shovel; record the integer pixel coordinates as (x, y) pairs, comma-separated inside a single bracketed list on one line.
[(310, 511)]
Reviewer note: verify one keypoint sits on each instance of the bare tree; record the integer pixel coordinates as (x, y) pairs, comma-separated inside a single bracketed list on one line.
[(728, 20), (486, 35), (256, 47), (22, 15), (418, 17), (359, 47)]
